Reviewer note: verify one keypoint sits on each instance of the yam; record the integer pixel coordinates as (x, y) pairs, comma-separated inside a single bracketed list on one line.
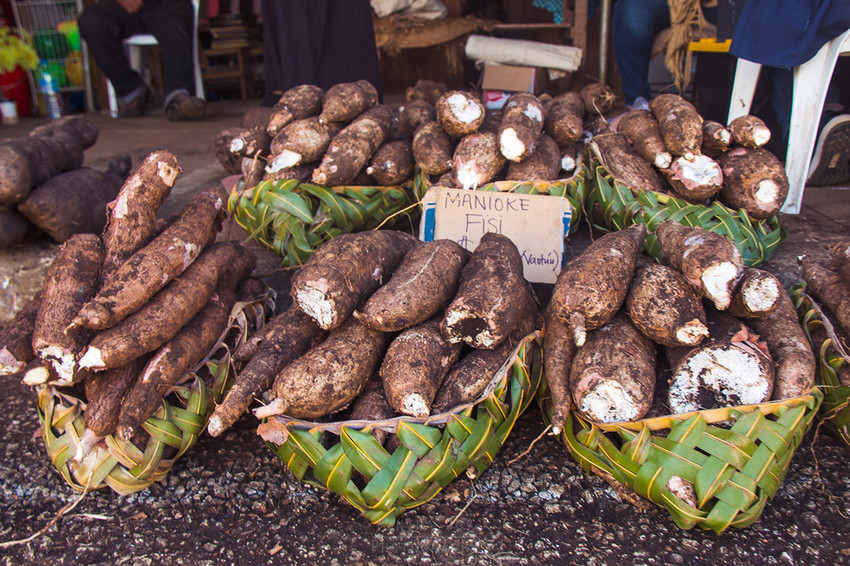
[(642, 131), (414, 367), (155, 265), (715, 138), (131, 220), (840, 255), (730, 369), (543, 164), (14, 226), (612, 376), (625, 165), (345, 101), (414, 114), (371, 405), (422, 284), (301, 141), (329, 376), (665, 307), (680, 123), (392, 164), (486, 307), (353, 146), (460, 113), (592, 287), (75, 202), (297, 103), (788, 346), (344, 270), (467, 380), (757, 294), (598, 98), (16, 338), (563, 118), (829, 288), (176, 357), (709, 261), (522, 123), (558, 352), (477, 160), (70, 282), (426, 90), (749, 131), (432, 149), (169, 310), (753, 180), (695, 179), (286, 337)]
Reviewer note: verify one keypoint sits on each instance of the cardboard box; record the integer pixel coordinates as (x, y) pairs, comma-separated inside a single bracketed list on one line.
[(514, 79)]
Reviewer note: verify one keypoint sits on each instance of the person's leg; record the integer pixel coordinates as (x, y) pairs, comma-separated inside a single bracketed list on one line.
[(103, 26), (171, 22), (634, 24)]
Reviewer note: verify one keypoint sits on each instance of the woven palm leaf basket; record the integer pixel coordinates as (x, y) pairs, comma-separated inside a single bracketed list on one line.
[(131, 466), (343, 457), (714, 469), (574, 188), (833, 362), (293, 218), (610, 205)]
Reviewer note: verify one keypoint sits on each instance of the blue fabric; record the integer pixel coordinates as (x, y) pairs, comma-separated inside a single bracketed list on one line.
[(786, 33), (634, 24)]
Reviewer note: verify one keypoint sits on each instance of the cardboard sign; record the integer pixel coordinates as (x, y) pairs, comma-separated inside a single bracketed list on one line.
[(535, 223)]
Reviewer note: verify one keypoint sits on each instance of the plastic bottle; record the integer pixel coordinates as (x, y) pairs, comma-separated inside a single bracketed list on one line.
[(49, 88)]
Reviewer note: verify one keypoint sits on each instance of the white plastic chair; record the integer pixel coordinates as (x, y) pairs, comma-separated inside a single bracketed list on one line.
[(811, 80), (133, 46)]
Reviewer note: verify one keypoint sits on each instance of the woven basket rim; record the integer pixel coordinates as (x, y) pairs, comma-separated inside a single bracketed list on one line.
[(391, 425)]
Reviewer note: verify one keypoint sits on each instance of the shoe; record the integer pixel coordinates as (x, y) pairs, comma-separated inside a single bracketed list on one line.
[(136, 107), (831, 162), (184, 107)]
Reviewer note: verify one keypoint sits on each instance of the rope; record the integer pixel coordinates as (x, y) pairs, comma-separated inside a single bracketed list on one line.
[(684, 15)]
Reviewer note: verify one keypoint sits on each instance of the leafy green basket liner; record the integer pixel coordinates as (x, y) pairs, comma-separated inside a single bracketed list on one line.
[(293, 218), (178, 423), (734, 471), (573, 188), (835, 411), (433, 452), (621, 206)]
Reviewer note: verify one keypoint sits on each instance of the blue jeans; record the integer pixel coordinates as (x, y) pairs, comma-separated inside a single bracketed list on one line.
[(634, 24)]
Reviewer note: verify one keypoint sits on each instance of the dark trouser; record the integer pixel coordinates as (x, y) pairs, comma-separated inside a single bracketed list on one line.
[(105, 24), (320, 42)]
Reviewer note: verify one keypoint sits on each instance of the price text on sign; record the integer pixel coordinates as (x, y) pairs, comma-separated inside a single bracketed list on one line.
[(535, 223)]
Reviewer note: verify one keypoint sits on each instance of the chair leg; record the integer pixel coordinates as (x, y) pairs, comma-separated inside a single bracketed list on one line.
[(113, 99), (746, 78)]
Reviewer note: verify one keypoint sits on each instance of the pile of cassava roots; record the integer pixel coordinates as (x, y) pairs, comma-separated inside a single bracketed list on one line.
[(123, 315), (44, 188), (342, 136), (383, 325)]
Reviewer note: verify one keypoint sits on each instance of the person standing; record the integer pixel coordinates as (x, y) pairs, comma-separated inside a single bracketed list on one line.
[(106, 23)]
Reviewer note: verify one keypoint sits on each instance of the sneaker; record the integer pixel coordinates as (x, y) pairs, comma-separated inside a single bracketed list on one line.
[(136, 107), (184, 107), (831, 162)]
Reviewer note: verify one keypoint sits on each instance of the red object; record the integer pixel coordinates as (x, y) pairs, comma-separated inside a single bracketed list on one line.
[(15, 86)]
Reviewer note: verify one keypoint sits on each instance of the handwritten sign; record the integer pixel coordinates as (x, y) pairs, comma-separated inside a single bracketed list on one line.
[(535, 223)]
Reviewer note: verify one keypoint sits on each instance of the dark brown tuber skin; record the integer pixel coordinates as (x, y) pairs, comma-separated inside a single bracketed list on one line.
[(413, 115), (558, 352), (680, 123), (345, 101), (544, 163), (564, 118), (749, 131), (715, 138), (392, 164), (432, 149), (840, 255), (642, 131), (16, 338), (351, 149), (826, 286), (460, 113), (598, 98), (522, 123), (625, 165), (476, 160), (297, 103), (753, 180)]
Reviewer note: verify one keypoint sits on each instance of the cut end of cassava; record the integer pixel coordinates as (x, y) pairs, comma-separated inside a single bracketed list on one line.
[(125, 432), (683, 489), (718, 281), (762, 294), (283, 160), (463, 326), (663, 160), (510, 145), (237, 145), (469, 175), (568, 163), (609, 402), (276, 407), (766, 192), (578, 323), (719, 376), (415, 405), (62, 362), (699, 170), (215, 426), (9, 364), (88, 441), (38, 375), (92, 359), (464, 109), (692, 333), (316, 305)]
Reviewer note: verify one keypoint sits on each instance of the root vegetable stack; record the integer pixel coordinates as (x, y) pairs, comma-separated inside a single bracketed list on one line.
[(128, 313), (616, 371)]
